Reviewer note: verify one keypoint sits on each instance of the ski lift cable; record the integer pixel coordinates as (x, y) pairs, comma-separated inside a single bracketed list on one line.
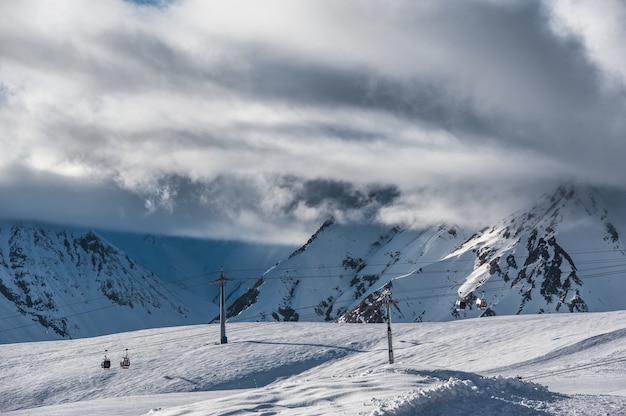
[(239, 328), (261, 271), (448, 287), (596, 275), (178, 287), (104, 297), (397, 292), (574, 369)]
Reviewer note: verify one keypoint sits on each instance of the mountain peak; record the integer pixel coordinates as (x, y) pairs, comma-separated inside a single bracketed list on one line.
[(65, 279), (538, 260), (561, 254)]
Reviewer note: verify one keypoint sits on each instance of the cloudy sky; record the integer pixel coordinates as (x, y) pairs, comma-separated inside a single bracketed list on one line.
[(258, 120)]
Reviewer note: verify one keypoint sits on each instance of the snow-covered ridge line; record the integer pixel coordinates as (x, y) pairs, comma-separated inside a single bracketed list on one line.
[(547, 258)]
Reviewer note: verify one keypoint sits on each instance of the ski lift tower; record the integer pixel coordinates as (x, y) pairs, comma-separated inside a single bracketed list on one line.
[(221, 281), (387, 301)]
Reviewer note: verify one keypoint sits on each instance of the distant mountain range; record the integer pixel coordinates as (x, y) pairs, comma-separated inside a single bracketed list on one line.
[(563, 254)]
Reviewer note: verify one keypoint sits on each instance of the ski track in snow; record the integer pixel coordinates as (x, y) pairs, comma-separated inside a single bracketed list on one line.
[(448, 368)]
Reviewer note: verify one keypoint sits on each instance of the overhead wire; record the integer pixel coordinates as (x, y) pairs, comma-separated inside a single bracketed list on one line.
[(179, 289), (449, 286), (561, 371), (391, 276)]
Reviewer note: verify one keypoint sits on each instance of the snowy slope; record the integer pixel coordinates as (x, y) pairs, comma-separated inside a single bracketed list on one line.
[(341, 265), (564, 254), (569, 364)]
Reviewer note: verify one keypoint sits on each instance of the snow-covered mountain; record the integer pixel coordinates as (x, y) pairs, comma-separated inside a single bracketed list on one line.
[(57, 282), (564, 254), (61, 282)]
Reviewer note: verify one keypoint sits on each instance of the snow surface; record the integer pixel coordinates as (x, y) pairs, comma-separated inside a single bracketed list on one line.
[(569, 364)]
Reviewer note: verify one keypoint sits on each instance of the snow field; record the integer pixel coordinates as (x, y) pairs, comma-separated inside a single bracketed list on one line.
[(568, 363)]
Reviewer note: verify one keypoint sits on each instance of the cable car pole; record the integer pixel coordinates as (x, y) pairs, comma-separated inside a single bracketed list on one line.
[(221, 281), (387, 301)]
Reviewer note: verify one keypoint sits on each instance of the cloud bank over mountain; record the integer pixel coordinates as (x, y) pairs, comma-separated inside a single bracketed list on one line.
[(195, 118)]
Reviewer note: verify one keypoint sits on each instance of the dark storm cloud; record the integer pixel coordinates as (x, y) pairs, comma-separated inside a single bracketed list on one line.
[(328, 129), (176, 204), (342, 195), (153, 3), (146, 61), (193, 117), (54, 198), (512, 45), (303, 83), (534, 87), (226, 194)]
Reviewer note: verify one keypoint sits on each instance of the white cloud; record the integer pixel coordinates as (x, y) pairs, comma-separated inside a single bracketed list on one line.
[(600, 25), (195, 117)]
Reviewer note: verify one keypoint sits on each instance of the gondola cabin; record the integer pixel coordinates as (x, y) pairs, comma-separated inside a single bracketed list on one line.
[(125, 363), (106, 362), (481, 303), (460, 305)]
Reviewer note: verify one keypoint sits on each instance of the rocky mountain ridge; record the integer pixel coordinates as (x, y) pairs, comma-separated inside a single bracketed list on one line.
[(71, 283), (563, 254)]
